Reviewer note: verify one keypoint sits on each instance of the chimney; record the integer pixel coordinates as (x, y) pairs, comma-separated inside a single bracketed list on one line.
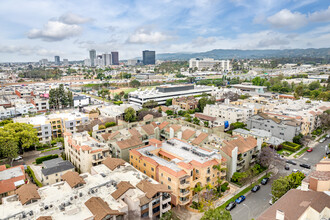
[(279, 215)]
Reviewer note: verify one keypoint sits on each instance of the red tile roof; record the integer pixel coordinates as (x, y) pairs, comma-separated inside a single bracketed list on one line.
[(132, 142), (243, 144), (200, 138), (187, 134)]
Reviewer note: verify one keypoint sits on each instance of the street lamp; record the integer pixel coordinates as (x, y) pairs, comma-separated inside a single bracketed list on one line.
[(248, 209)]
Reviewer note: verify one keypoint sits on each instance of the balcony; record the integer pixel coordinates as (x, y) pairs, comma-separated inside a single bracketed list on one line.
[(253, 160), (184, 201), (184, 185), (166, 198), (184, 193), (256, 152), (166, 207)]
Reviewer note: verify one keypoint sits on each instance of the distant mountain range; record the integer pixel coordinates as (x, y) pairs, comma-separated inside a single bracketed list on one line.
[(249, 54)]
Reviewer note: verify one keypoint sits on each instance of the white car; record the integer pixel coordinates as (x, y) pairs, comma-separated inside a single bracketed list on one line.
[(18, 158), (295, 171), (271, 202)]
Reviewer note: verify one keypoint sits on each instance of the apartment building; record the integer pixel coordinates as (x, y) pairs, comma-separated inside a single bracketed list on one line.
[(114, 190), (178, 165), (240, 153), (53, 125), (84, 151), (53, 170), (264, 136), (10, 179), (41, 104), (284, 129), (222, 92), (228, 112), (208, 64), (299, 204), (164, 92), (318, 179), (186, 103), (250, 88), (81, 101)]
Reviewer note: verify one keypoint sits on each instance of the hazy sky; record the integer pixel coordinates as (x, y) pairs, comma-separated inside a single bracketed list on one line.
[(36, 29)]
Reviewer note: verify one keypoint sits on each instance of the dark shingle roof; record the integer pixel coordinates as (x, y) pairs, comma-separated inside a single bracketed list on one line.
[(60, 167)]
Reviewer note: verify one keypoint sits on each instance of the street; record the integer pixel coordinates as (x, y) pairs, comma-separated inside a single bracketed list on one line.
[(30, 157), (258, 202)]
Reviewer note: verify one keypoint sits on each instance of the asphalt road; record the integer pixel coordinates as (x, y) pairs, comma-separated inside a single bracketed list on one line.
[(256, 203), (31, 157)]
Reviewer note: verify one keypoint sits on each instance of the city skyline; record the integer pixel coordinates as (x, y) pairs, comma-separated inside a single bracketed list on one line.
[(43, 29)]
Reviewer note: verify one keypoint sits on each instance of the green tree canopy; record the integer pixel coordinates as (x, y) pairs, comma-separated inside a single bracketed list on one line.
[(135, 83), (130, 114), (217, 214)]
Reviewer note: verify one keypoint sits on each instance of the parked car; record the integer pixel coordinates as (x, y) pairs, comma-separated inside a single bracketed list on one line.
[(287, 167), (305, 166), (295, 171), (328, 136), (18, 158), (255, 188), (240, 199), (310, 149), (264, 181), (291, 162), (271, 202), (322, 140), (230, 206)]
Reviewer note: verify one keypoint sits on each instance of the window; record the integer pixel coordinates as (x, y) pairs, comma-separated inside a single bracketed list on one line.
[(144, 164), (208, 179), (191, 173), (152, 176), (144, 172), (56, 174), (161, 174), (161, 182), (197, 171), (208, 170), (132, 156), (244, 155), (169, 179), (152, 169), (169, 187)]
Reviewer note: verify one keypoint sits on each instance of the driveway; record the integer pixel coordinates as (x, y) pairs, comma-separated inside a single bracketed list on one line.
[(30, 157)]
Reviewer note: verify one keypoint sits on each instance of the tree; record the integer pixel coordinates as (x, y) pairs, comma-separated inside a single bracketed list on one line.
[(196, 121), (169, 112), (187, 117), (110, 124), (14, 137), (135, 83), (297, 138), (150, 104), (198, 189), (299, 91), (217, 214), (267, 157), (325, 118), (204, 101), (169, 215), (206, 124), (168, 102), (314, 85), (130, 114)]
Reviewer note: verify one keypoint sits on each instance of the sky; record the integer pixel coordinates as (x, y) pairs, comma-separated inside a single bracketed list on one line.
[(36, 29)]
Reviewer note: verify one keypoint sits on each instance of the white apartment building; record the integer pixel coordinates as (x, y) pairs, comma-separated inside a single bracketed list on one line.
[(84, 151), (231, 113), (208, 63), (164, 92), (81, 100), (114, 190)]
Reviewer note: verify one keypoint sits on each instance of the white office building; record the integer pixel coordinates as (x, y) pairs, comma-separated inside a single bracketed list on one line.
[(208, 63), (161, 93)]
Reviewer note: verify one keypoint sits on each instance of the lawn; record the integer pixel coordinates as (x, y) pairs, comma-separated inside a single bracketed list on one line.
[(301, 152), (285, 152), (56, 148)]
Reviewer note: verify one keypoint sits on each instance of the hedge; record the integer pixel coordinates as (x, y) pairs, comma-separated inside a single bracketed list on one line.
[(291, 146), (39, 160), (31, 174)]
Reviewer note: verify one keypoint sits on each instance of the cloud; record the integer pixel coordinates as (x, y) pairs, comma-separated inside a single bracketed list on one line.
[(55, 31), (28, 50), (288, 20), (272, 41), (70, 18), (201, 41), (320, 16), (143, 36)]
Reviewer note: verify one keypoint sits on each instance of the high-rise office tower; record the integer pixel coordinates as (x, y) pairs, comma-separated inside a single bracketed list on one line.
[(115, 58), (57, 60), (65, 62), (92, 57), (149, 57), (106, 59)]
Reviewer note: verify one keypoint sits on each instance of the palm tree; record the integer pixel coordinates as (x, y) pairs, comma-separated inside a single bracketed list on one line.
[(198, 189), (219, 180)]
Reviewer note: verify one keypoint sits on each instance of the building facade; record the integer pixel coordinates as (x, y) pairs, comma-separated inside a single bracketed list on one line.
[(208, 64), (149, 57)]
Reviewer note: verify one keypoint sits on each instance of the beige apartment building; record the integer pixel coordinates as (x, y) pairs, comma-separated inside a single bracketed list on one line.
[(84, 151), (178, 165)]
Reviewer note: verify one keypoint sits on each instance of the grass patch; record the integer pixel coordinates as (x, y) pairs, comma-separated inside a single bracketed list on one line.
[(285, 152), (56, 148), (301, 152)]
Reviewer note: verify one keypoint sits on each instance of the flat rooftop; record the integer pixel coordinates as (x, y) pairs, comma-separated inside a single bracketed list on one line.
[(11, 173), (103, 184)]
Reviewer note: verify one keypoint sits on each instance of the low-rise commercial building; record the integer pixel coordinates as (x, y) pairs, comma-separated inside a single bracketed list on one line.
[(114, 190), (178, 165), (250, 88), (162, 93)]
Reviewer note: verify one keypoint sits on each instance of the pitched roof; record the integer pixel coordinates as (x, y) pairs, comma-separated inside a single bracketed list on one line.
[(122, 187), (134, 132), (59, 167), (266, 116), (243, 144), (110, 136), (100, 208), (149, 129), (151, 189), (205, 117), (295, 202), (134, 141), (113, 163), (73, 178), (187, 134), (7, 183), (163, 125), (148, 117), (27, 192), (201, 137), (175, 128), (45, 218)]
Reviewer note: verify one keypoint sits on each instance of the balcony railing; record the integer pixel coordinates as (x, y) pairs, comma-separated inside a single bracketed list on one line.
[(184, 202), (184, 193), (184, 185)]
